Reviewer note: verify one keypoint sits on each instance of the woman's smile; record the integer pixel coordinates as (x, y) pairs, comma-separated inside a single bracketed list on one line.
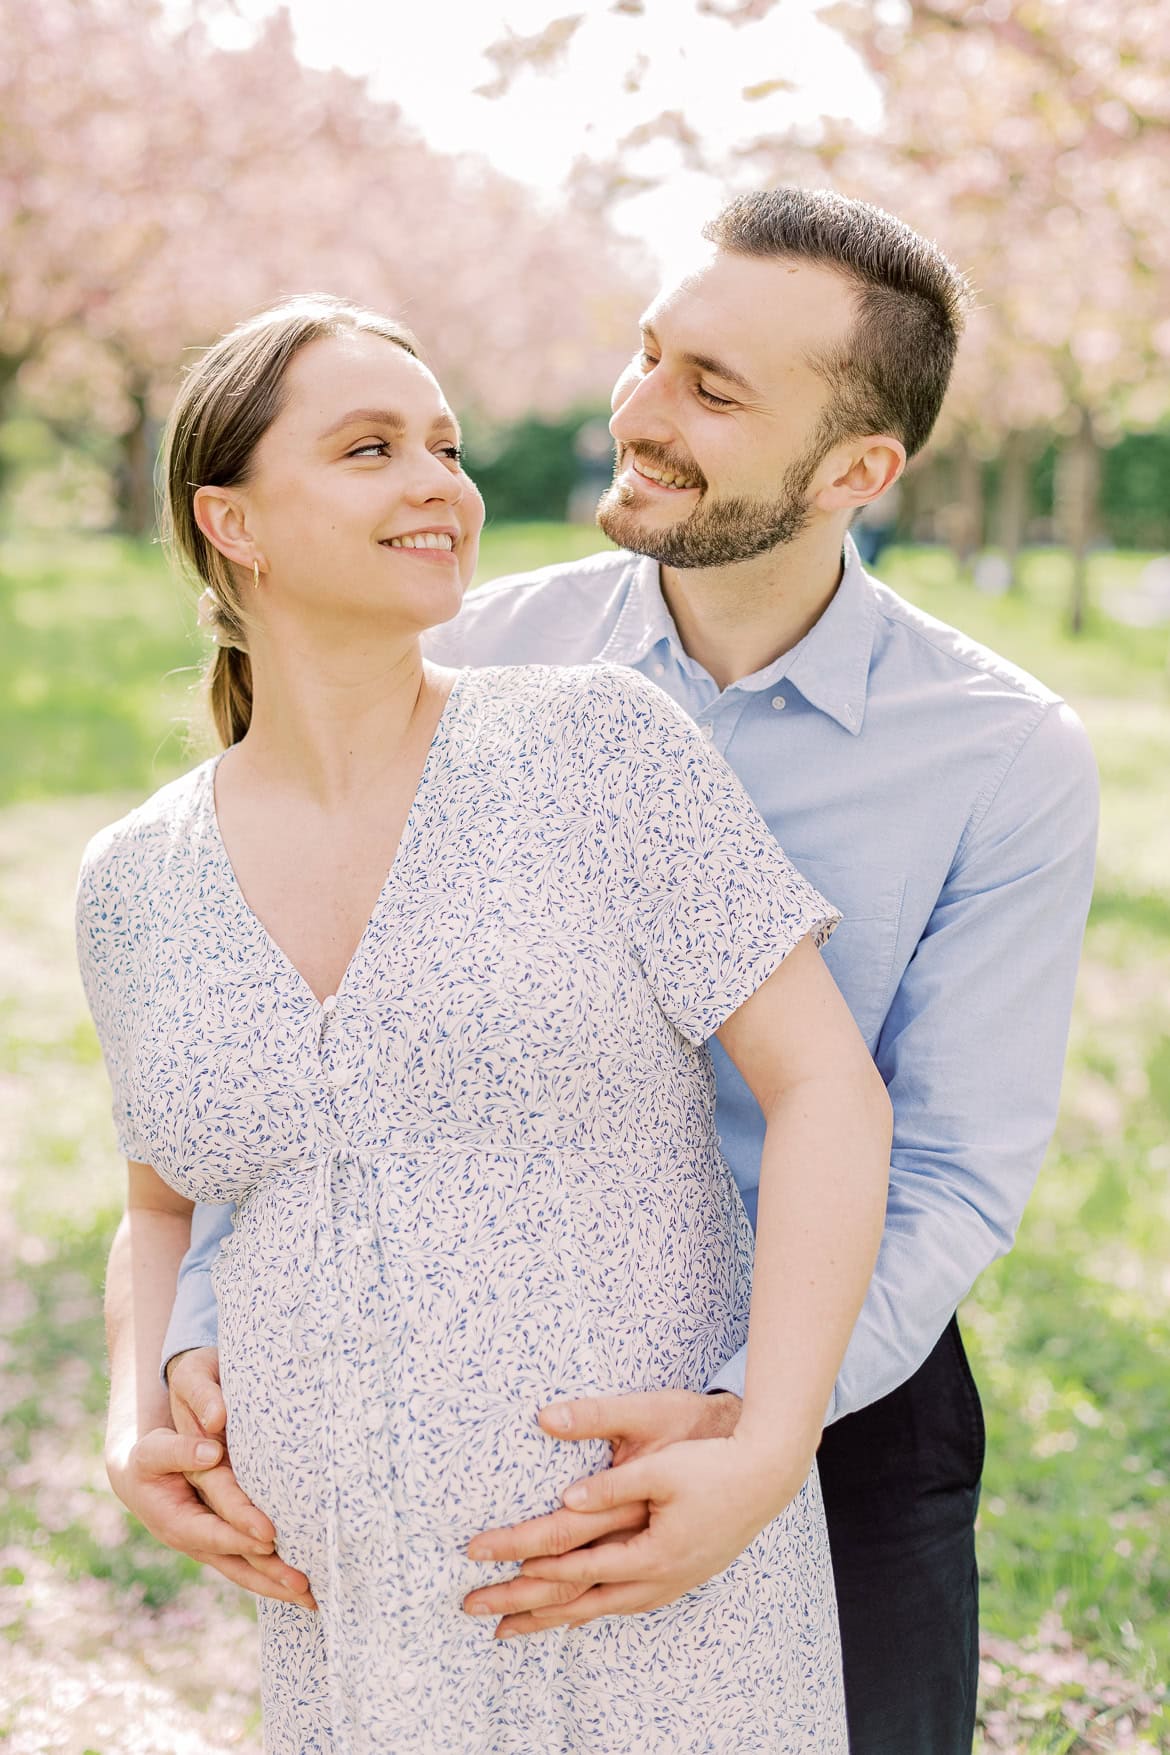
[(433, 544)]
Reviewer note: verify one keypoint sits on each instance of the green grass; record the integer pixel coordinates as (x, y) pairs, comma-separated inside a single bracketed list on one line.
[(97, 662), (100, 660), (1029, 627), (519, 548), (1070, 1335)]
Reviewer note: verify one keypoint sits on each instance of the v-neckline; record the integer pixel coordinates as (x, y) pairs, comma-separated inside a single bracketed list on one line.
[(409, 826)]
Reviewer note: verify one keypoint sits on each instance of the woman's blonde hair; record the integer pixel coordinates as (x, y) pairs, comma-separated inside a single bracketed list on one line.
[(229, 399)]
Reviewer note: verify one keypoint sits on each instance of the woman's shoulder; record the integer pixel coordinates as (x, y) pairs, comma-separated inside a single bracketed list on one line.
[(602, 694), (129, 852)]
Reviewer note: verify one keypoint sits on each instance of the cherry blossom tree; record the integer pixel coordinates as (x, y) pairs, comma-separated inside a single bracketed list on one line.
[(1030, 137), (1035, 139), (157, 188)]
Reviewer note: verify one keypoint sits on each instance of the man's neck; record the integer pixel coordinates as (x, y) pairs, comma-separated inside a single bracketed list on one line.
[(736, 620)]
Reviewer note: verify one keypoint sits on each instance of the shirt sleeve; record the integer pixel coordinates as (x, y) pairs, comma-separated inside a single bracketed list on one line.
[(194, 1317), (972, 1052), (107, 958), (713, 905)]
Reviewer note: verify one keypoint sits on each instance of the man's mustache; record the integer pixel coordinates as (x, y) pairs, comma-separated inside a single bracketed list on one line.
[(658, 457)]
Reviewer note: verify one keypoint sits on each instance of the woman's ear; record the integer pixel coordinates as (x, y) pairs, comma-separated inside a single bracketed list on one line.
[(220, 516)]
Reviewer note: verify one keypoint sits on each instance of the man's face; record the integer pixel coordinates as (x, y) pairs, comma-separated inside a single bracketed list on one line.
[(717, 418)]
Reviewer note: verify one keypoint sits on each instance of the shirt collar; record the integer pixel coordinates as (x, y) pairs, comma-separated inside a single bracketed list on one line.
[(830, 666), (644, 619)]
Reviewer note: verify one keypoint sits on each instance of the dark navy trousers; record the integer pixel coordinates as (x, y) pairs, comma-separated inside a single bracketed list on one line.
[(901, 1486)]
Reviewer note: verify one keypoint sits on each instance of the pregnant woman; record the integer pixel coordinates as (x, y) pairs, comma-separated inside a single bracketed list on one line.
[(418, 971)]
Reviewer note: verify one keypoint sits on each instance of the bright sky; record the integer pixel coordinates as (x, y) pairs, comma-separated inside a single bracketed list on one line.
[(429, 58)]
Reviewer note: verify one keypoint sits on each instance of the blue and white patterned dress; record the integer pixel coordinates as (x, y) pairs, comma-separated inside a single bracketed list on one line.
[(484, 1177)]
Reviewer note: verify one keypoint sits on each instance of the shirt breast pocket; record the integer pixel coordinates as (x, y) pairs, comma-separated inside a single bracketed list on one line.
[(862, 953)]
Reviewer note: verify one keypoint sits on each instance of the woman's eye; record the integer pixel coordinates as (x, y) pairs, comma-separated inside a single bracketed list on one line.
[(712, 400), (371, 445), (454, 452)]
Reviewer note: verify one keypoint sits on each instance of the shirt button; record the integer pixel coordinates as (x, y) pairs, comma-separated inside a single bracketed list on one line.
[(329, 1004), (660, 669), (708, 730), (778, 702)]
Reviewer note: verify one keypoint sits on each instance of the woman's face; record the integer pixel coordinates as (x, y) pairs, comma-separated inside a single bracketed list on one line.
[(357, 501)]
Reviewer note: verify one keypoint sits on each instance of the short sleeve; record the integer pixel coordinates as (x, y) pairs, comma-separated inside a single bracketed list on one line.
[(105, 956), (713, 904)]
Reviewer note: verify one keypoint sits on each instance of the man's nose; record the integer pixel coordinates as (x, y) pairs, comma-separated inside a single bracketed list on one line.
[(640, 411)]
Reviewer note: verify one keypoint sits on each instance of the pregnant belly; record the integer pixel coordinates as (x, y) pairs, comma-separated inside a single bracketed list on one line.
[(345, 1433), (388, 1337)]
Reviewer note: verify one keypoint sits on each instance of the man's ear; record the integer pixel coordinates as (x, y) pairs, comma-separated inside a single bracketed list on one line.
[(220, 515), (863, 472)]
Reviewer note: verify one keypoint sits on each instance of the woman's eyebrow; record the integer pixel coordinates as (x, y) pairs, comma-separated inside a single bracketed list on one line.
[(375, 417), (388, 418)]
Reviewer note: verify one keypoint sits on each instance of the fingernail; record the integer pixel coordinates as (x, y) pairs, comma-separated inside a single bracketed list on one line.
[(206, 1453), (574, 1498), (480, 1610), (483, 1551), (260, 1532), (558, 1417)]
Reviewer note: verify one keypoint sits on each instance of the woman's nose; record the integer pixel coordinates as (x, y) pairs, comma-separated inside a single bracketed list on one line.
[(435, 480)]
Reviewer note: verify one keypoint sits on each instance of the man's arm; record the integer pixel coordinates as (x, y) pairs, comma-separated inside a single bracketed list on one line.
[(972, 1053), (194, 1318), (152, 1467)]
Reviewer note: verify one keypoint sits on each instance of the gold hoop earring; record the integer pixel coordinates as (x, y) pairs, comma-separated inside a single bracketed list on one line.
[(256, 575)]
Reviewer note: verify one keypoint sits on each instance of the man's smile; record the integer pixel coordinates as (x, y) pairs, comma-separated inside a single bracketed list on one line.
[(639, 475)]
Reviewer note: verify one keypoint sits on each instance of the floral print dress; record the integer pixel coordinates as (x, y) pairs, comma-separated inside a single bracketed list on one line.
[(481, 1176)]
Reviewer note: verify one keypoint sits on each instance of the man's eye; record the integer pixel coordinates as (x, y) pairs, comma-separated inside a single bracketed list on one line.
[(646, 361), (712, 400)]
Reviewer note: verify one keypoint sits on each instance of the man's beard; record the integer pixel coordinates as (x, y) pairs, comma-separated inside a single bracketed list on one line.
[(715, 534)]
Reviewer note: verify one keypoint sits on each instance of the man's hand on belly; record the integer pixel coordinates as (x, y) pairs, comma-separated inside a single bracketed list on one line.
[(205, 1512), (560, 1554)]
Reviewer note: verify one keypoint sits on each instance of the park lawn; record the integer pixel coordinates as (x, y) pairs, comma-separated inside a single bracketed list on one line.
[(1070, 1336)]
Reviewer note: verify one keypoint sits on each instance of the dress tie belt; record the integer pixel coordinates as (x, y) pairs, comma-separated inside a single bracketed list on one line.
[(344, 1278)]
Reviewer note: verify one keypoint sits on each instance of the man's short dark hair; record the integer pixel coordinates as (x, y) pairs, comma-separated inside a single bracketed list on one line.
[(892, 373)]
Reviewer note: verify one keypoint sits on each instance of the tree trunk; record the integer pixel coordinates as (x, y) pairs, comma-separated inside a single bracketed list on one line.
[(1078, 475), (928, 492), (10, 364), (135, 476), (964, 515), (910, 507), (1014, 497)]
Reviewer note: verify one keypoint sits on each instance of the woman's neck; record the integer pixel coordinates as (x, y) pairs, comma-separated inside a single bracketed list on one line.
[(329, 724)]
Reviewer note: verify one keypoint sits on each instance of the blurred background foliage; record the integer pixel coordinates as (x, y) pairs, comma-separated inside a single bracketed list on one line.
[(155, 186)]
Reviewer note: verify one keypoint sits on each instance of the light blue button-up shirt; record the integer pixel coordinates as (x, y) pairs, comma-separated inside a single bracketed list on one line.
[(946, 802)]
